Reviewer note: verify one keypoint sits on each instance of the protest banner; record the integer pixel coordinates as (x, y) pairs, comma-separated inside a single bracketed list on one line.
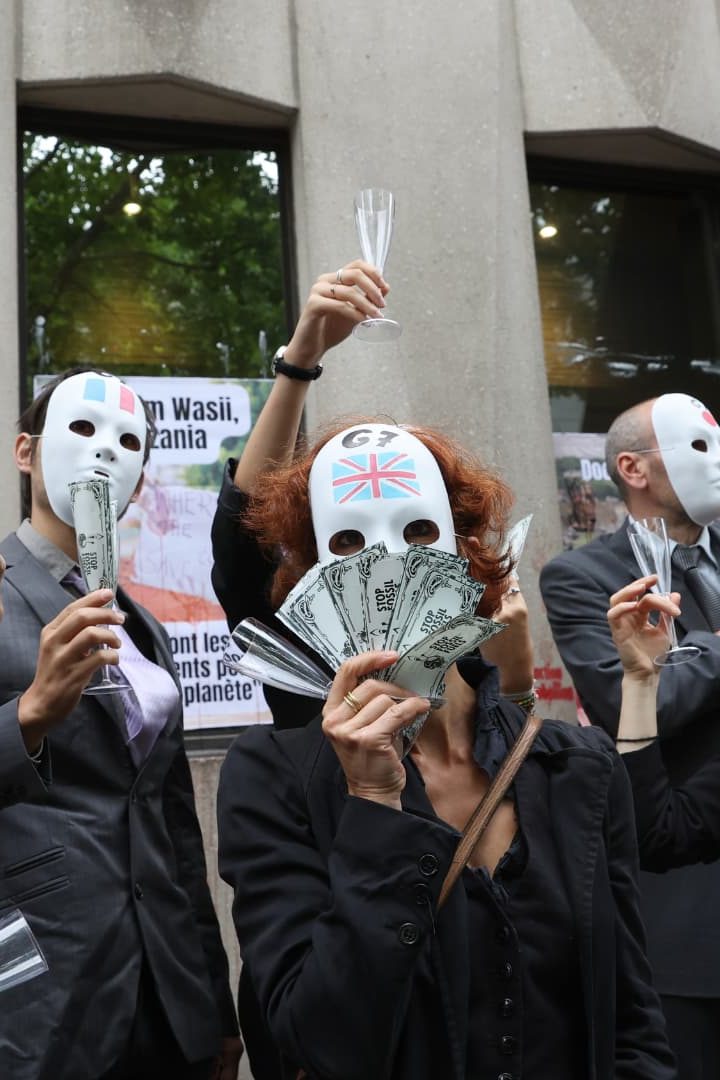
[(165, 552)]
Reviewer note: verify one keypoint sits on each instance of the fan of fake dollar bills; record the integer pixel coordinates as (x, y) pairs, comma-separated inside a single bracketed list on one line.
[(419, 602)]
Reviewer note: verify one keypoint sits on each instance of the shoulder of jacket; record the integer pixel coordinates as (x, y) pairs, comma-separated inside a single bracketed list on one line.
[(580, 555), (576, 736), (301, 748)]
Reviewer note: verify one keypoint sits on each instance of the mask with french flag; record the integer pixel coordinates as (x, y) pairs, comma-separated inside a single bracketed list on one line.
[(95, 426), (688, 438)]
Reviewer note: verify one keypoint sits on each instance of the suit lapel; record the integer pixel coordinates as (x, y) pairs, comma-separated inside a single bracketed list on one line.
[(161, 652), (45, 597), (162, 656)]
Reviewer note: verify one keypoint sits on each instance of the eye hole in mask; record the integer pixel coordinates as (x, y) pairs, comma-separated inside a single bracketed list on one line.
[(421, 531), (82, 427), (130, 441), (346, 542), (700, 445)]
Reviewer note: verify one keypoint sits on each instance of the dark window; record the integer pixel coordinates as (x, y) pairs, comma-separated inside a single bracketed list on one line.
[(151, 248), (629, 291)]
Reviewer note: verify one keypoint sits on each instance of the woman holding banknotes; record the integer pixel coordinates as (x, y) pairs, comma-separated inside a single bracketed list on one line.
[(337, 847)]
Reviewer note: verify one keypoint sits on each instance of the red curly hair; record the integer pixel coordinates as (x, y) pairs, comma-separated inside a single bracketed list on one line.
[(279, 512)]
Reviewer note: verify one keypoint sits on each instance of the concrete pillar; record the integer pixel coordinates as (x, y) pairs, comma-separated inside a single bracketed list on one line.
[(9, 363), (429, 103)]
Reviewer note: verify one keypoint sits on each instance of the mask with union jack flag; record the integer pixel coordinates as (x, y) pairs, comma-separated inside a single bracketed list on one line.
[(380, 484)]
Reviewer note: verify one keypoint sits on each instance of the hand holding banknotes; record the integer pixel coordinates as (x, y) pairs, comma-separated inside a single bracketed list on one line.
[(73, 646), (362, 722)]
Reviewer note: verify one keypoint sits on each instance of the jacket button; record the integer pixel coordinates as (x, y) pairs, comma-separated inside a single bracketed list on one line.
[(506, 970), (138, 891), (503, 933), (428, 865), (508, 1044), (505, 1076), (408, 933), (422, 894), (508, 1007)]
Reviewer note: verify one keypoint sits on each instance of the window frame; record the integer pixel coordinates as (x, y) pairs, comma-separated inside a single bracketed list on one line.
[(591, 175), (137, 133)]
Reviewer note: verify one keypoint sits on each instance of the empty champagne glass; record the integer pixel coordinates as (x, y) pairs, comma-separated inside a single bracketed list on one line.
[(95, 521), (261, 654), (20, 955), (374, 217), (649, 541)]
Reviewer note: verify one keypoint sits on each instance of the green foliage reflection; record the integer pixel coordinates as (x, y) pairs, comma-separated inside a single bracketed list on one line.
[(182, 288)]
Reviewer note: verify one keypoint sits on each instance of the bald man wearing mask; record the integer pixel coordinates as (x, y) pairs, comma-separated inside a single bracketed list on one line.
[(664, 456)]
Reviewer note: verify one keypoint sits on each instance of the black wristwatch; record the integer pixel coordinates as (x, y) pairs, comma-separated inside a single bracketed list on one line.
[(279, 367)]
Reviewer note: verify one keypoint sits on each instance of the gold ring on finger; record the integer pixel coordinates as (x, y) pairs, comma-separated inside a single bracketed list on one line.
[(339, 277), (352, 702)]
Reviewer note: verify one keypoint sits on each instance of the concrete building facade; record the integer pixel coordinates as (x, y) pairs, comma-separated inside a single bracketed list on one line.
[(439, 104)]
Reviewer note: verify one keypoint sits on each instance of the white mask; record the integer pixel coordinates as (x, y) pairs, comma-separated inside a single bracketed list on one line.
[(688, 437), (95, 425), (376, 480)]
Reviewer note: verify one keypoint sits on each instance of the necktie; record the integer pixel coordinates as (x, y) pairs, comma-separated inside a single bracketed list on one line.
[(152, 695), (707, 599)]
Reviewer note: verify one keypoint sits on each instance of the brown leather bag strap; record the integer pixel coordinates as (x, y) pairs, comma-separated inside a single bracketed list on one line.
[(489, 803)]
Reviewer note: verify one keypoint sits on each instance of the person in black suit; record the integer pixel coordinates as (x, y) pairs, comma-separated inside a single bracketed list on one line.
[(337, 849), (664, 455), (107, 861)]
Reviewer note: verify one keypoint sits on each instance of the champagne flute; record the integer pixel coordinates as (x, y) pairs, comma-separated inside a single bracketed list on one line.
[(374, 217), (261, 654), (95, 521), (649, 541), (21, 957)]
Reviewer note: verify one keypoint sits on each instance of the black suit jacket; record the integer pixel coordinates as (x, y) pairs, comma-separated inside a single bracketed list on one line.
[(679, 825), (680, 907), (326, 885), (106, 863)]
